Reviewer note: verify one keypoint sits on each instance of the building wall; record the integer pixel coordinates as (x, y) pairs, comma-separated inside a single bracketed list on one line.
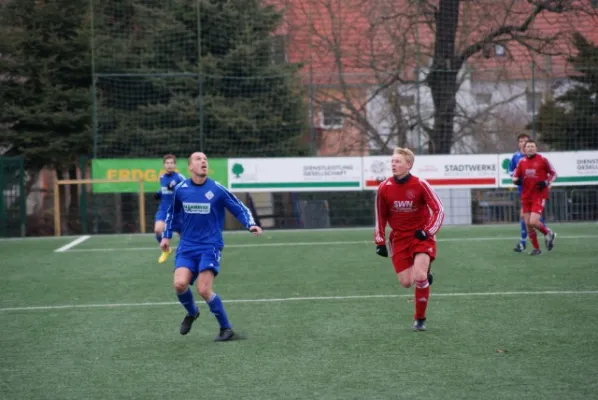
[(352, 43), (345, 137), (490, 113)]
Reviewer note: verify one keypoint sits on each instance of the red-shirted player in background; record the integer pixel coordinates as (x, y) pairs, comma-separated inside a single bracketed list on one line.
[(414, 212), (535, 174)]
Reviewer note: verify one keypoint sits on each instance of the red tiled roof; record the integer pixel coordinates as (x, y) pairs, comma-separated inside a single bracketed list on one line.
[(364, 39)]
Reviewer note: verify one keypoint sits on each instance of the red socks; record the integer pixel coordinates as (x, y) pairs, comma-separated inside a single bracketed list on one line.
[(422, 293), (533, 237), (543, 229)]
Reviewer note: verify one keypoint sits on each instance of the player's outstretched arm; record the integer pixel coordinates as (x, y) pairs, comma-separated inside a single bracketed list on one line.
[(551, 172), (173, 212), (513, 164), (381, 213), (550, 175), (437, 211), (239, 210), (516, 176)]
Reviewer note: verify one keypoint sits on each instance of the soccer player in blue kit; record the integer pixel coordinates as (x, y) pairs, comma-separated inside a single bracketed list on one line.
[(168, 181), (201, 203), (521, 141)]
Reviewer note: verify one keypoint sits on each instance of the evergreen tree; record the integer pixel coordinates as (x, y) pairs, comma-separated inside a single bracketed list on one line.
[(169, 90), (145, 57), (45, 68), (252, 105), (570, 121)]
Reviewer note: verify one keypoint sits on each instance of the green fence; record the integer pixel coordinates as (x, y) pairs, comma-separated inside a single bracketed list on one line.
[(12, 198)]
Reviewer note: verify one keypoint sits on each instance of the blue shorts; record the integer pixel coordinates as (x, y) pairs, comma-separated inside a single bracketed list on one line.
[(198, 260), (161, 216)]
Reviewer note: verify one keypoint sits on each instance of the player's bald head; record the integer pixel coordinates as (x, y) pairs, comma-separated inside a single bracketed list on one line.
[(198, 164), (197, 155)]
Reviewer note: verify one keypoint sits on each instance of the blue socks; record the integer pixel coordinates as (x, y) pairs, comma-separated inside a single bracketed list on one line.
[(523, 232), (215, 304), (217, 308), (159, 238), (186, 299)]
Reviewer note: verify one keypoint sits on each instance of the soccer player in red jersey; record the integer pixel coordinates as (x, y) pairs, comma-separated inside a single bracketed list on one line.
[(535, 174), (415, 214)]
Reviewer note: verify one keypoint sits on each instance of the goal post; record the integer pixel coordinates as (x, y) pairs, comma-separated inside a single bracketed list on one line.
[(79, 182)]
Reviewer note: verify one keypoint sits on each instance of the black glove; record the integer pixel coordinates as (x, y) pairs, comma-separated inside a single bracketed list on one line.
[(157, 196), (518, 182), (421, 235), (382, 251), (542, 185), (171, 185)]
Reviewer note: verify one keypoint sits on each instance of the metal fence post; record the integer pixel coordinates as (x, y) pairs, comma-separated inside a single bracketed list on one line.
[(23, 199), (83, 199), (3, 211)]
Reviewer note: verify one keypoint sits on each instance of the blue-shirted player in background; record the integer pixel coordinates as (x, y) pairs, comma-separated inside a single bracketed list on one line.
[(201, 203), (168, 181), (521, 141)]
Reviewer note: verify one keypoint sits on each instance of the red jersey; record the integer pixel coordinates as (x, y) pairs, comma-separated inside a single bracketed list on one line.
[(407, 205), (531, 171)]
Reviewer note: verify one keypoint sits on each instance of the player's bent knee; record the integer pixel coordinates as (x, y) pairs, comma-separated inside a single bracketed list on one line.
[(420, 275), (204, 291), (406, 279), (182, 279), (421, 264), (180, 285), (406, 283), (204, 284)]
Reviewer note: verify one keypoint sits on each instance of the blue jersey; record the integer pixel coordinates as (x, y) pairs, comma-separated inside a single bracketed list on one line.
[(513, 164), (201, 209), (166, 191)]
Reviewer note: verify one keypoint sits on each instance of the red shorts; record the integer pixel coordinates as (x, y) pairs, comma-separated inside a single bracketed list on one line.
[(403, 247), (533, 205)]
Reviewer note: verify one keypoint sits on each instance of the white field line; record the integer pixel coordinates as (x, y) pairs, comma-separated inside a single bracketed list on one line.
[(72, 244), (311, 230), (332, 243), (314, 298)]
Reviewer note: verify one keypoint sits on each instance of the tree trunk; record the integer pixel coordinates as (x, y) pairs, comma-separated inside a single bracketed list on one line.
[(444, 89), (442, 78)]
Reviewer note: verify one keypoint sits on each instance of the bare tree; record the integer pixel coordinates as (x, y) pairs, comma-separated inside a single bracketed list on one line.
[(397, 66)]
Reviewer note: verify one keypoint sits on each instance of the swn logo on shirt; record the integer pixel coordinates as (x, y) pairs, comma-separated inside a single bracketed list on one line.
[(402, 205), (196, 208), (530, 173)]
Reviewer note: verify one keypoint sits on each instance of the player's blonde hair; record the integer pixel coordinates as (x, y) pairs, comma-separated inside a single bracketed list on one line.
[(405, 152)]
